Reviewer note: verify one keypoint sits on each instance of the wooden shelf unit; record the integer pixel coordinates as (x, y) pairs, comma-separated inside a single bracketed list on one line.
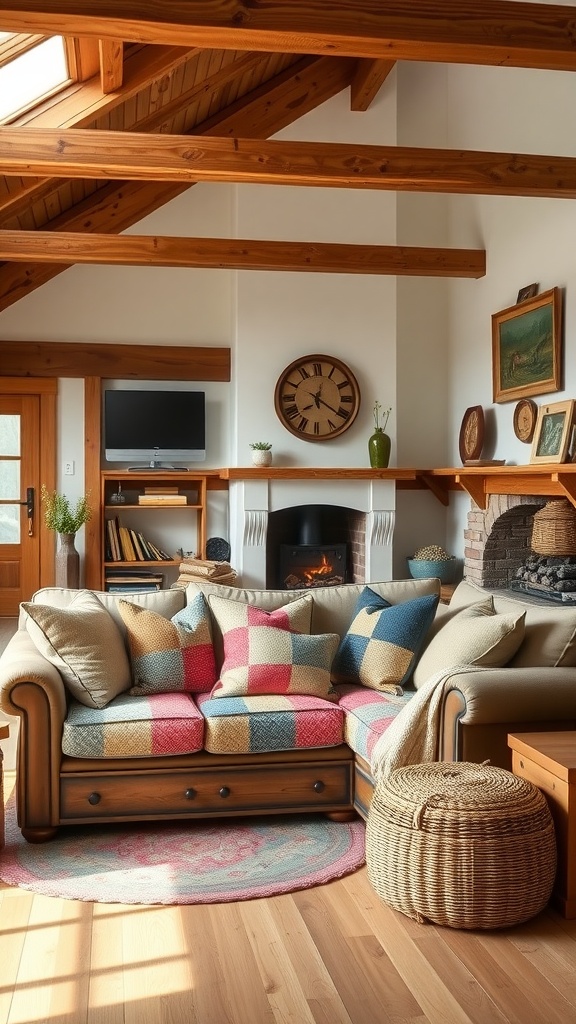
[(141, 517)]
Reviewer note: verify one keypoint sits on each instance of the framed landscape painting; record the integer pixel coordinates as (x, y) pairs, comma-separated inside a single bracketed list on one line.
[(527, 349)]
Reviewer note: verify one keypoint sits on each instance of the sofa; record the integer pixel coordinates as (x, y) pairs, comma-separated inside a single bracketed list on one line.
[(225, 701)]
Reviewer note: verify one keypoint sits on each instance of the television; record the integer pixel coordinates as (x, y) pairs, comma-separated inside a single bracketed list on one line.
[(154, 428)]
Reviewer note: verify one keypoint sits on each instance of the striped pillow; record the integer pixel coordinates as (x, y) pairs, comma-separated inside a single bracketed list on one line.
[(169, 655)]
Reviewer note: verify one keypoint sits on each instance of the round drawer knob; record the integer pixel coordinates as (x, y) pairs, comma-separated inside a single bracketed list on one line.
[(224, 792), (319, 787), (190, 794), (94, 798)]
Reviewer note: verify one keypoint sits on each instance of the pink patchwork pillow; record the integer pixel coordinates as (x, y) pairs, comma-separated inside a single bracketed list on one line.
[(170, 654), (264, 653)]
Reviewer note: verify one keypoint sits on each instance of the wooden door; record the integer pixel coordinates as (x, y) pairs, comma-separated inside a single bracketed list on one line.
[(19, 500)]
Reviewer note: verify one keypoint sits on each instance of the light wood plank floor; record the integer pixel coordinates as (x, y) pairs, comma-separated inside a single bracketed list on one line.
[(331, 955)]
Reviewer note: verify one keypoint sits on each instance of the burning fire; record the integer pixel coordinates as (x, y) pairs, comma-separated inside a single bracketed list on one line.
[(324, 569)]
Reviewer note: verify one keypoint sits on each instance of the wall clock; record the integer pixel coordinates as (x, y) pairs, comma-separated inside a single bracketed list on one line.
[(317, 397)]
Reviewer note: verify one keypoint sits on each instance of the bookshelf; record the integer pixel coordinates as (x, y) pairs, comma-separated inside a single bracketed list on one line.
[(139, 511)]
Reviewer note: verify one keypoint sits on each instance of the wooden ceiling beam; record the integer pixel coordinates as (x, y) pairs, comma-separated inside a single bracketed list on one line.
[(190, 158), (118, 205), (239, 254), (16, 202), (484, 32), (368, 80)]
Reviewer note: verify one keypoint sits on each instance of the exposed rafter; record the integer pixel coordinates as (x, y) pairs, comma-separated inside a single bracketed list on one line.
[(473, 32), (367, 82), (137, 156), (240, 254), (118, 205)]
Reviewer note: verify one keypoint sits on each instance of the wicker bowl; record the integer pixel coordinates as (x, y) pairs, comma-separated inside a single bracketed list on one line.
[(424, 568), (461, 844)]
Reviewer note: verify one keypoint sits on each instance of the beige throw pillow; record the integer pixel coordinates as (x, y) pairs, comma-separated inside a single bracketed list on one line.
[(85, 644), (473, 637)]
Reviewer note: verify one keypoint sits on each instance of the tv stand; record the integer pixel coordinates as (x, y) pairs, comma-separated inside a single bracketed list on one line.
[(154, 468)]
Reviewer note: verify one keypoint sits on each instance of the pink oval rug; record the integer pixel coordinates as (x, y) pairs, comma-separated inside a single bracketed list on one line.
[(190, 862)]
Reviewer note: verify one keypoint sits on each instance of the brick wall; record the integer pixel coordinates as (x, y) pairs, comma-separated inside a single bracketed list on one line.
[(497, 540)]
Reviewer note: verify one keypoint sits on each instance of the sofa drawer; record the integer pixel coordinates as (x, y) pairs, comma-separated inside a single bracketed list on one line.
[(176, 793)]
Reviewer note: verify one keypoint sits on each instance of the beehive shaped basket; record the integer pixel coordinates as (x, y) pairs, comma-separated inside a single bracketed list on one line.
[(463, 845), (554, 529)]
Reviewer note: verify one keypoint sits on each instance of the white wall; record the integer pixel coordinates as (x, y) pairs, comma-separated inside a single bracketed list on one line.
[(526, 239)]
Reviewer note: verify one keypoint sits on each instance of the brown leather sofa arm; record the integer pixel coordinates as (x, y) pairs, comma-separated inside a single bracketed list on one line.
[(481, 708), (32, 689)]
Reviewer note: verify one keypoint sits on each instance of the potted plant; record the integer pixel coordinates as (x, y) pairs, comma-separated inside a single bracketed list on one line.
[(65, 519), (261, 453)]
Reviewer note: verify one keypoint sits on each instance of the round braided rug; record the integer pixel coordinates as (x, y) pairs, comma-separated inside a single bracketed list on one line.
[(184, 862)]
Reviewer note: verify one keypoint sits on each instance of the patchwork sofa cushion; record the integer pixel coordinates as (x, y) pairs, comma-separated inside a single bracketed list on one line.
[(170, 654), (230, 612), (474, 636), (367, 715), (246, 725), (262, 659), (383, 641), (162, 723), (84, 643)]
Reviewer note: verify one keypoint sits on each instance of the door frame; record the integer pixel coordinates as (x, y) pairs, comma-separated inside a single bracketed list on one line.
[(47, 390)]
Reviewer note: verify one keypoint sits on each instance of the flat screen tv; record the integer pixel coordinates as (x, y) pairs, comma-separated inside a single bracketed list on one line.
[(154, 428)]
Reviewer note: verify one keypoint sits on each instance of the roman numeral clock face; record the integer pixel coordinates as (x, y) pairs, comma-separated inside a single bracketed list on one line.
[(317, 398)]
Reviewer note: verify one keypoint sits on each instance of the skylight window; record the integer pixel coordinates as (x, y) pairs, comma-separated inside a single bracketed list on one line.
[(31, 68)]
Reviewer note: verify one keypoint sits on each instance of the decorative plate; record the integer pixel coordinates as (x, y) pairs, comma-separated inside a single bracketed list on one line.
[(472, 433), (525, 416)]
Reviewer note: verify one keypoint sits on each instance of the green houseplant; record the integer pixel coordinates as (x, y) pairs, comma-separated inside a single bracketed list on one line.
[(261, 453), (65, 519)]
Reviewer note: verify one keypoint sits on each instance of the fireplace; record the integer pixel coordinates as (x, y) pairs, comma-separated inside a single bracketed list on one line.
[(308, 546), (357, 512)]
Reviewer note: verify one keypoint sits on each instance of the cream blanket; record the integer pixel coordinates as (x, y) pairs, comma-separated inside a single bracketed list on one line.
[(413, 737)]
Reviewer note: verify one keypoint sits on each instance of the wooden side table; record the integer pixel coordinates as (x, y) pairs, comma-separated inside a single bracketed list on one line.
[(548, 759), (4, 734)]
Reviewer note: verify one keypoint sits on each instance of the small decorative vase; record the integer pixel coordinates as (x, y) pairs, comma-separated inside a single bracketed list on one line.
[(261, 457), (67, 562), (379, 449)]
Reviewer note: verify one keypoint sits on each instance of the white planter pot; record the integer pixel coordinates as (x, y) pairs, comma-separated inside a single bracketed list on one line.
[(261, 458)]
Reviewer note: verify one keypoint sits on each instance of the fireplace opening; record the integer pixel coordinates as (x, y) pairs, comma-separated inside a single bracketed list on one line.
[(315, 546), (304, 566)]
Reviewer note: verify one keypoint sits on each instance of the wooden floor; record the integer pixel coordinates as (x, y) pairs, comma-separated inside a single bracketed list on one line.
[(331, 955)]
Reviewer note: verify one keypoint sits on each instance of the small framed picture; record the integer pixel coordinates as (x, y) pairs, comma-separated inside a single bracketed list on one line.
[(527, 292), (553, 434)]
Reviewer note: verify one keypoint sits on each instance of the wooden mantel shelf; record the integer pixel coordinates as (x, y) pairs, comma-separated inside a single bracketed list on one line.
[(552, 480)]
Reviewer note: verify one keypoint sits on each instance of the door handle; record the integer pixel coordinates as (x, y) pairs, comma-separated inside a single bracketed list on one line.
[(29, 502)]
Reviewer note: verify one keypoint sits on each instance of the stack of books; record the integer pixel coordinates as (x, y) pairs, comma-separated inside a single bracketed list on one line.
[(165, 495), (193, 570), (132, 581), (126, 545)]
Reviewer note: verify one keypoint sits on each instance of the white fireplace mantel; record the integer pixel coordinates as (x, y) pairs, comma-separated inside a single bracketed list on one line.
[(253, 499)]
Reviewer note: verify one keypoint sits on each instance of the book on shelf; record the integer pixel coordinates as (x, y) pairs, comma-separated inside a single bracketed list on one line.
[(164, 489), (132, 588), (162, 499), (128, 553)]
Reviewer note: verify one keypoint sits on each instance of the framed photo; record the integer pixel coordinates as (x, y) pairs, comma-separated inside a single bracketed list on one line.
[(553, 433), (527, 292), (526, 348)]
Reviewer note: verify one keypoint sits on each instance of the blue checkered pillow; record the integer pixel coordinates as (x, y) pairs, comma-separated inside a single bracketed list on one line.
[(383, 641)]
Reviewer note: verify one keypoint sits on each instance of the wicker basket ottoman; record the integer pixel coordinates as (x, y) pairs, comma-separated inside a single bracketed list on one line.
[(459, 844)]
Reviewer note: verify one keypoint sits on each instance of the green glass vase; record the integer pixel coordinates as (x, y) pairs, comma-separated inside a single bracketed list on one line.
[(379, 449)]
